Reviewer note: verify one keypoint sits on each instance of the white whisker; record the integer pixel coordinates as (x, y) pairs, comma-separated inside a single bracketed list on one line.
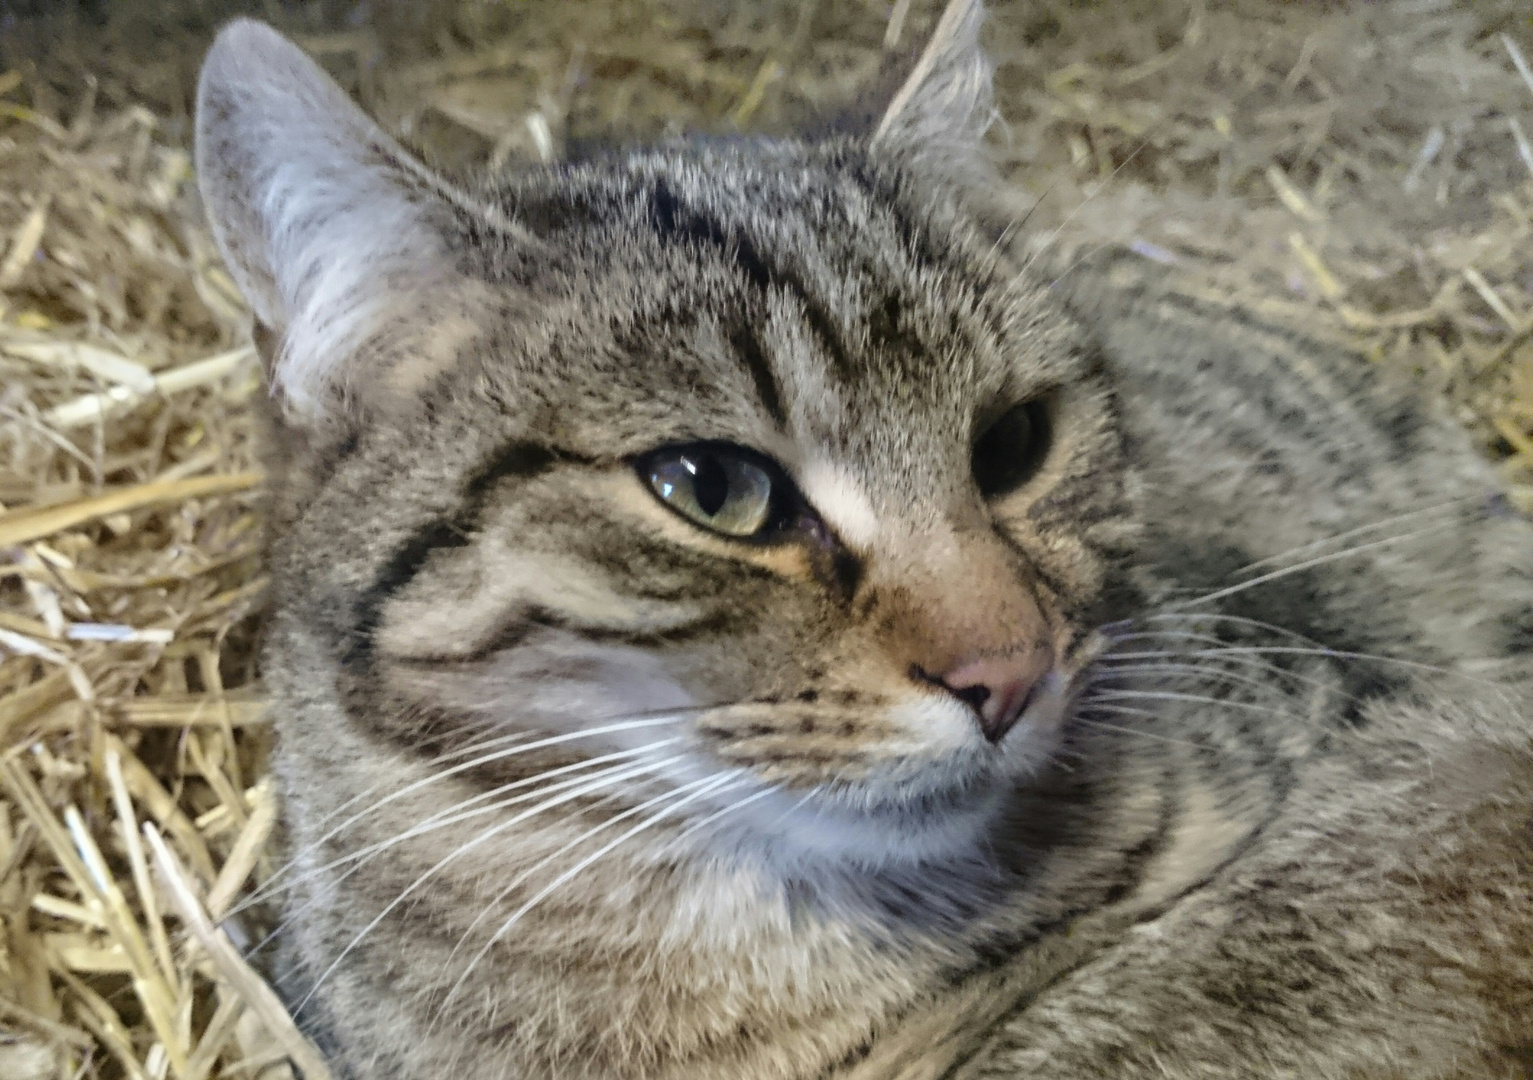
[(1097, 189), (731, 808), (1311, 649), (790, 811), (483, 759), (1361, 530), (612, 777), (456, 813), (1124, 671), (710, 784), (1319, 560), (362, 857), (1168, 695), (1238, 620), (1118, 728), (516, 882), (1233, 655)]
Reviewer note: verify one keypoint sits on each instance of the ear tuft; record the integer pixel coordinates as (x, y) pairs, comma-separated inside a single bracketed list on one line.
[(941, 112), (323, 219)]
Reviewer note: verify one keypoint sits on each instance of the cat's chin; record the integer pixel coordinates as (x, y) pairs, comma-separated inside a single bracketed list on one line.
[(923, 812), (791, 832), (939, 798)]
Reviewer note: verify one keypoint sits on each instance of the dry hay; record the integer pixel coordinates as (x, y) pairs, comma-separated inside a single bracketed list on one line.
[(1365, 171), (128, 567)]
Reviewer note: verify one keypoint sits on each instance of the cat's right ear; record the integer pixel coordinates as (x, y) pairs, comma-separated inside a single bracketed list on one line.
[(324, 220), (938, 117)]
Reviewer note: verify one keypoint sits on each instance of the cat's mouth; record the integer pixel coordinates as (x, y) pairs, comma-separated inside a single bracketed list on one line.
[(924, 802), (887, 753)]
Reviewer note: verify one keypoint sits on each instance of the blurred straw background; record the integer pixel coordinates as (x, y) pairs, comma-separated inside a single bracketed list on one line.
[(1365, 168)]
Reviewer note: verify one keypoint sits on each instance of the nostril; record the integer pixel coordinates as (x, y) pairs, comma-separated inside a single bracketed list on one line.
[(998, 691), (972, 696)]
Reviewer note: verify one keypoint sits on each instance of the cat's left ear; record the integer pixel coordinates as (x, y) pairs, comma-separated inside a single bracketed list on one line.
[(939, 115)]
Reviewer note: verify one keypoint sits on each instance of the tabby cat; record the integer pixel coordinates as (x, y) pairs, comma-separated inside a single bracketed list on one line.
[(735, 619)]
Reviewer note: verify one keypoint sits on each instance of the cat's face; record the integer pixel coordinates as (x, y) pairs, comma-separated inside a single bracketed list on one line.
[(761, 465)]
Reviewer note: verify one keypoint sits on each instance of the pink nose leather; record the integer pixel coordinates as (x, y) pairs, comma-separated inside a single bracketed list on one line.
[(998, 688)]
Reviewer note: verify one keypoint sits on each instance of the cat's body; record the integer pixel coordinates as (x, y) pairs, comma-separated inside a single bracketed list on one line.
[(1345, 894), (851, 789)]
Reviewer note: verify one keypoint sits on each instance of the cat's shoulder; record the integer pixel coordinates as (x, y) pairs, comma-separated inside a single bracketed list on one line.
[(1156, 317)]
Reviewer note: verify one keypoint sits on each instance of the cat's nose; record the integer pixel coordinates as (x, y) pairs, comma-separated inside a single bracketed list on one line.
[(998, 689)]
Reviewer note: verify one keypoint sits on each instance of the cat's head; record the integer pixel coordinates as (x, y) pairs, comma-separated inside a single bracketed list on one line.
[(760, 462)]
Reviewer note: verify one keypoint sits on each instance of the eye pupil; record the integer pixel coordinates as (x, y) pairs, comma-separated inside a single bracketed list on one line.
[(710, 484), (729, 489), (1010, 451)]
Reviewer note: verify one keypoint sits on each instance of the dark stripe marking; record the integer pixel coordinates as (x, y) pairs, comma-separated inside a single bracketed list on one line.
[(523, 460), (674, 219)]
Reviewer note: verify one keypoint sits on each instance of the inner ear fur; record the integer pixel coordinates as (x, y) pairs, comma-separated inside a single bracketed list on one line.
[(938, 114), (328, 225)]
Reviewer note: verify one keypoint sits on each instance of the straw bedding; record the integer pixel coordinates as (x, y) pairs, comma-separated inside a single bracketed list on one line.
[(1366, 169)]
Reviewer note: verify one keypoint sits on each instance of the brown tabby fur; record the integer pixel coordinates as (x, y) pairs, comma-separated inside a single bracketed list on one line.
[(577, 788)]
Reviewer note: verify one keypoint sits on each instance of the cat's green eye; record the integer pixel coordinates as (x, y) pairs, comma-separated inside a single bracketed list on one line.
[(1009, 452), (719, 487)]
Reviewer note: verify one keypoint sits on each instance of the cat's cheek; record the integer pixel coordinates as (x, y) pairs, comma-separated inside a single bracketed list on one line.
[(555, 682)]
